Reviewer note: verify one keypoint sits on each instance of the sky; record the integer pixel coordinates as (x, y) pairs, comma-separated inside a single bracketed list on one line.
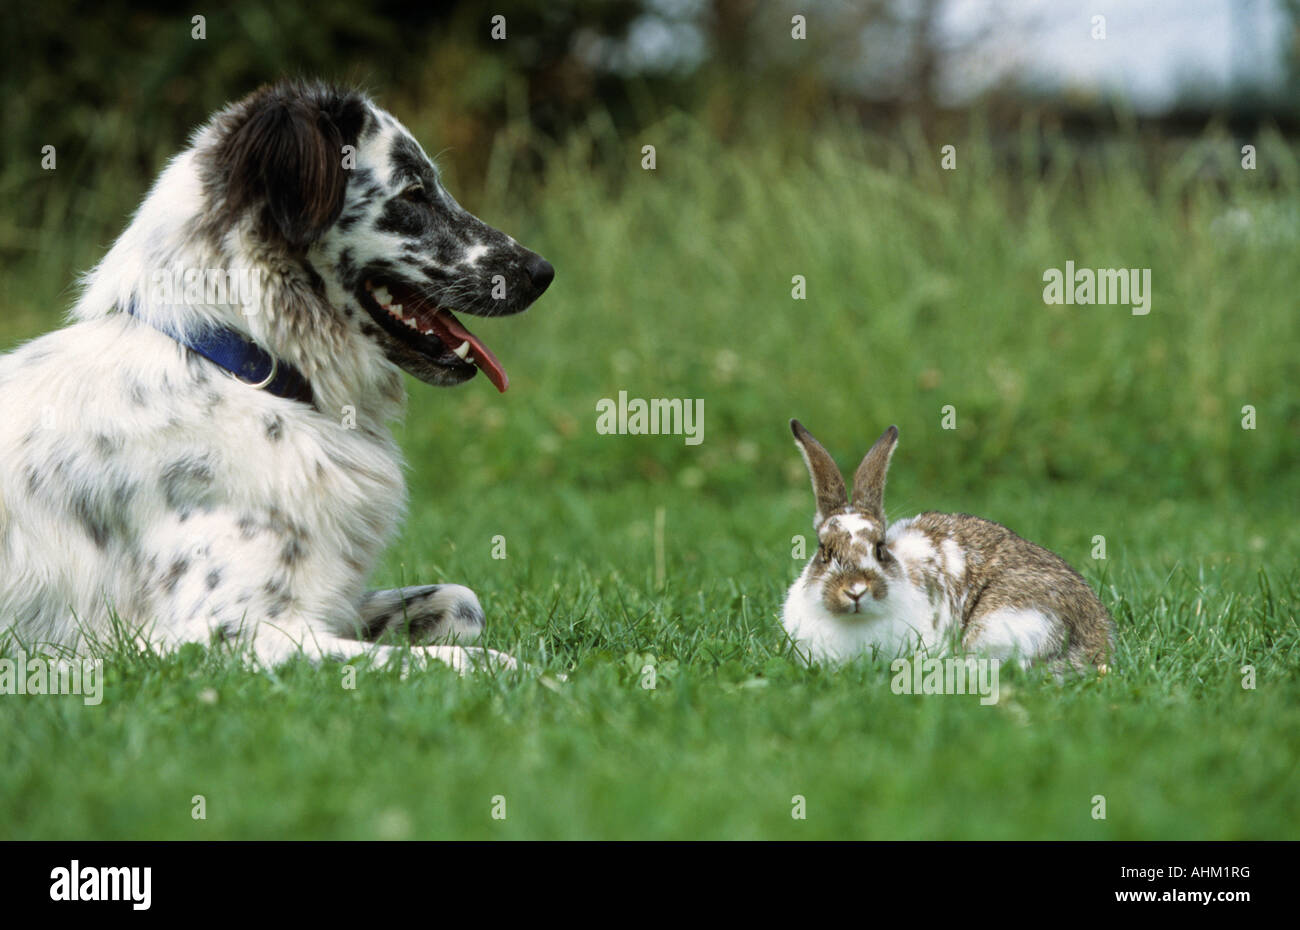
[(1155, 54)]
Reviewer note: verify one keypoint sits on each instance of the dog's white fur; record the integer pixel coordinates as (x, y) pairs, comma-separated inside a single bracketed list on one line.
[(141, 482)]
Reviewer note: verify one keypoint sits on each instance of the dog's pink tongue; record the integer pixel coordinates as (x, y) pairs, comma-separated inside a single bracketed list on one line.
[(479, 354)]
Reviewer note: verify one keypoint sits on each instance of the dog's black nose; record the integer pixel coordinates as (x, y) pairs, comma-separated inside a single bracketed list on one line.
[(540, 272)]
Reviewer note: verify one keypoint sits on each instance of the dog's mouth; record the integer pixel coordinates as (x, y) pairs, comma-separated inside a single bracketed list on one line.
[(432, 330)]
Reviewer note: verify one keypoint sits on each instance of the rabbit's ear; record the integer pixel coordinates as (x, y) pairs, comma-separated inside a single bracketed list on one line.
[(869, 480), (827, 482)]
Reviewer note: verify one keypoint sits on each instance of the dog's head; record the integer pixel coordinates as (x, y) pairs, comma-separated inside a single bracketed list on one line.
[(344, 189)]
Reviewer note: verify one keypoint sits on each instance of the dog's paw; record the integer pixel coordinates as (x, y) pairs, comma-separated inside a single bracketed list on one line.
[(500, 661), (424, 613), (466, 659)]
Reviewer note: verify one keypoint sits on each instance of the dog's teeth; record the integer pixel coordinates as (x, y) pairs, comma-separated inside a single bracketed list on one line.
[(410, 321), (382, 295), (463, 349)]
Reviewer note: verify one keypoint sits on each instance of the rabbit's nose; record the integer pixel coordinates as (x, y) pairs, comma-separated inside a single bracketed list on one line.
[(856, 590)]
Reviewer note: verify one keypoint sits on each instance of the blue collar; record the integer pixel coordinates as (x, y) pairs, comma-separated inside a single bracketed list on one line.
[(244, 359)]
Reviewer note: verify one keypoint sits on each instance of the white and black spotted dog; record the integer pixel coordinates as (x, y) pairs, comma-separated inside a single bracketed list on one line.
[(193, 464)]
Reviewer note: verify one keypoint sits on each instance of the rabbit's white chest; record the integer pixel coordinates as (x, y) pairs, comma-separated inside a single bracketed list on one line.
[(825, 637)]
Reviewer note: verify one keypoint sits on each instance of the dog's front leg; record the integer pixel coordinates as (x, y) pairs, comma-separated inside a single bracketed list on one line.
[(273, 645), (423, 613)]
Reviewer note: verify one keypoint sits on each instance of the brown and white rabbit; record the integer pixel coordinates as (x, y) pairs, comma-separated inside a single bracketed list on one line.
[(931, 581)]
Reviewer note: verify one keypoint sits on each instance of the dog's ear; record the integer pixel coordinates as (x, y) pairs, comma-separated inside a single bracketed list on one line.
[(286, 153)]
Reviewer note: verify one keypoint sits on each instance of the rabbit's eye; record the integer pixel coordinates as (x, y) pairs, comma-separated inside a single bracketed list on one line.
[(882, 554)]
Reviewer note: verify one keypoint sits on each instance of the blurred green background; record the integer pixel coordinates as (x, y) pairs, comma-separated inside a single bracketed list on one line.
[(777, 157)]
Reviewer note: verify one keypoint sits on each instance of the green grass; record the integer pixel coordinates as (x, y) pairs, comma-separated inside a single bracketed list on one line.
[(924, 290)]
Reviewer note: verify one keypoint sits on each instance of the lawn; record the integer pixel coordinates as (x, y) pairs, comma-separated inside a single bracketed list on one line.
[(923, 304)]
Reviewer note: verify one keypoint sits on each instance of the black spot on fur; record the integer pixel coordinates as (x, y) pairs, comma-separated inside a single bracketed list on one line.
[(451, 246), (403, 218), (407, 161), (91, 519), (469, 614), (279, 605), (346, 269), (122, 495), (275, 428), (277, 521), (314, 279), (292, 551), (213, 579), (104, 517), (186, 482), (373, 627), (175, 572), (107, 445)]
